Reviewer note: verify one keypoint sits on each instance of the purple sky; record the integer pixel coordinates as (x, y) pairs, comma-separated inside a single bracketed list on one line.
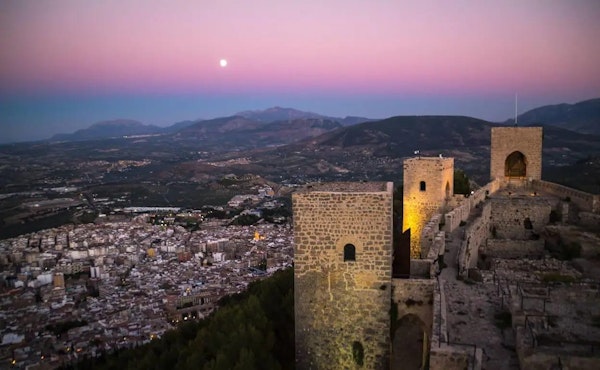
[(67, 64)]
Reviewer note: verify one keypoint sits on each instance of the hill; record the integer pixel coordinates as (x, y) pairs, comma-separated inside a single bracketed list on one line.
[(375, 150), (251, 330), (583, 117), (289, 114), (109, 129), (238, 132)]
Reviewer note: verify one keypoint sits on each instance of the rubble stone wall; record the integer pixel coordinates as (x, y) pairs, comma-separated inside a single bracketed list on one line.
[(585, 201), (415, 296), (460, 213), (513, 249), (476, 235), (341, 304), (590, 219), (509, 216)]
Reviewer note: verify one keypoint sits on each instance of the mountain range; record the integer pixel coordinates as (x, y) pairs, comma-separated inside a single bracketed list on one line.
[(583, 117), (293, 123)]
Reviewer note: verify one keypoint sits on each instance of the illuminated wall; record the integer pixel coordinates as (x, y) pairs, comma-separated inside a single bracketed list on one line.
[(342, 275), (428, 183)]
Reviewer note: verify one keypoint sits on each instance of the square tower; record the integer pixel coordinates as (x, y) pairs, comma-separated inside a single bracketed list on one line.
[(516, 152), (428, 184), (342, 275)]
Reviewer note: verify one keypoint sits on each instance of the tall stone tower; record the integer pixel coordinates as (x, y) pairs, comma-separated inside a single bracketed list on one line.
[(428, 184), (342, 275), (516, 153)]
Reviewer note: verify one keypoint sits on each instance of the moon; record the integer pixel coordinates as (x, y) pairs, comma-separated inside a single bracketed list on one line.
[(223, 63)]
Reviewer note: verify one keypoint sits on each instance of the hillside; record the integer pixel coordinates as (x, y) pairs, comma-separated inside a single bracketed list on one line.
[(375, 150), (288, 114), (583, 117), (109, 129), (237, 132)]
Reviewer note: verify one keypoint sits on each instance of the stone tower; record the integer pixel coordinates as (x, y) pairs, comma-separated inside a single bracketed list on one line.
[(516, 153), (342, 275), (428, 184)]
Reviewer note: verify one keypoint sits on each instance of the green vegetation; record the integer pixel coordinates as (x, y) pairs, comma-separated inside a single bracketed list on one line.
[(251, 330), (461, 183), (503, 320), (563, 251), (555, 277), (245, 220), (63, 327)]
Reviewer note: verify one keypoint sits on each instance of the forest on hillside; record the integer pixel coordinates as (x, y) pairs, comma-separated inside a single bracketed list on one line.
[(250, 330)]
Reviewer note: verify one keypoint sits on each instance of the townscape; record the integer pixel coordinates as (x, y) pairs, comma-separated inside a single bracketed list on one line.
[(77, 291)]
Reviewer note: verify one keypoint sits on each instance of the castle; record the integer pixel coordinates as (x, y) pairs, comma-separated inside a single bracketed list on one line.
[(372, 294)]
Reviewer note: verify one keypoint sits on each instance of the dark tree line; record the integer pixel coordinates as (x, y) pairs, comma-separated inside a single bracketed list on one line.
[(251, 330)]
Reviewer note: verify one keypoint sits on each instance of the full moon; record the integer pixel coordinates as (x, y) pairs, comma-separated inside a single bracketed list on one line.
[(223, 63)]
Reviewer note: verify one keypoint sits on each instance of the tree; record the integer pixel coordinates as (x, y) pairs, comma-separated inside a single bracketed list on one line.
[(461, 183)]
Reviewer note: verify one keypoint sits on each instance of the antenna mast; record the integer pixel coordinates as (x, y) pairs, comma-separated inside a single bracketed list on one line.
[(516, 105)]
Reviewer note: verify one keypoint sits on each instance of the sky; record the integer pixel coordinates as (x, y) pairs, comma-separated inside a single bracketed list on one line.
[(66, 64)]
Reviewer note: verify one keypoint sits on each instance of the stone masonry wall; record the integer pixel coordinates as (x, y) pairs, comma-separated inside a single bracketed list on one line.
[(509, 216), (585, 201), (463, 210), (430, 230), (338, 303), (420, 205), (415, 296), (506, 140), (476, 234), (514, 249)]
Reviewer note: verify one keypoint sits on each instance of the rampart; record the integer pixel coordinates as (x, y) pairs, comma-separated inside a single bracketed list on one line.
[(476, 235), (460, 213), (585, 201)]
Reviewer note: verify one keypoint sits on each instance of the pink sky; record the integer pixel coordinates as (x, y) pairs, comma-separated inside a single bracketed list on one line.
[(545, 49)]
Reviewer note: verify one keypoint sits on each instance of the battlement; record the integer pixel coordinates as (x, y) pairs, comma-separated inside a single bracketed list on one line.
[(348, 187)]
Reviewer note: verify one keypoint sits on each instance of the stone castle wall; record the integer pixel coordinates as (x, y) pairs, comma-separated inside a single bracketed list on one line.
[(419, 205), (430, 230), (341, 303), (506, 140), (509, 216), (415, 297), (476, 235), (585, 201), (460, 213)]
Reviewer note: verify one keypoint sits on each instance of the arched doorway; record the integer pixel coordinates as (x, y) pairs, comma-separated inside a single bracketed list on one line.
[(410, 343), (515, 165), (448, 190)]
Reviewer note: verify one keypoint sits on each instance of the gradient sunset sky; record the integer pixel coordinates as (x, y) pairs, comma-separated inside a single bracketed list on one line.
[(65, 65)]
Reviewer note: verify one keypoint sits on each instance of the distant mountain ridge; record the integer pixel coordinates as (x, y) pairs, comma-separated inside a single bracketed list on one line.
[(274, 126), (241, 132), (108, 129), (583, 117), (282, 114)]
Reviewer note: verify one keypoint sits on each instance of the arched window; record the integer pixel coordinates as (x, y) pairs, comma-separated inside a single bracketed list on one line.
[(422, 186), (349, 252), (515, 165)]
